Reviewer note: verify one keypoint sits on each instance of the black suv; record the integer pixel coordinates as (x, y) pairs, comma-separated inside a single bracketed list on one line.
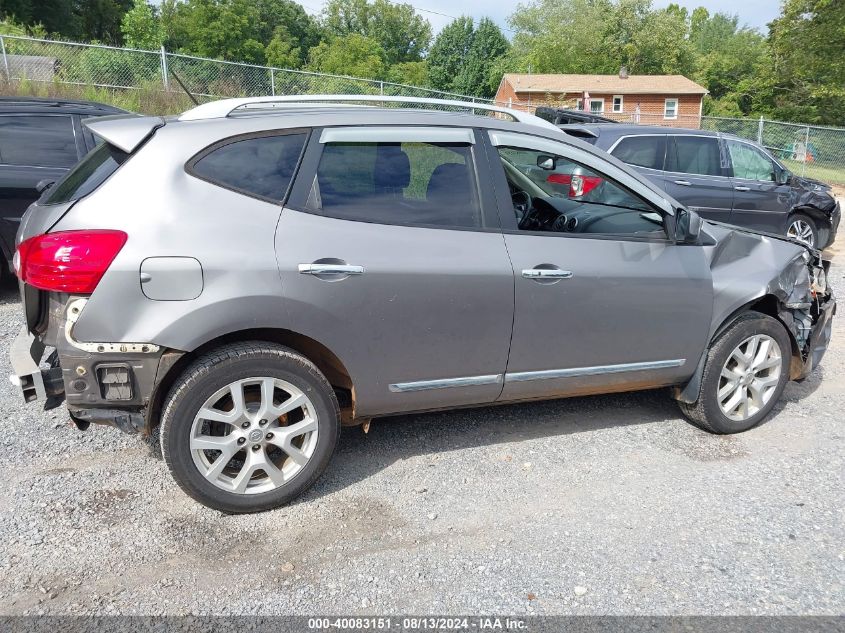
[(40, 140), (724, 178)]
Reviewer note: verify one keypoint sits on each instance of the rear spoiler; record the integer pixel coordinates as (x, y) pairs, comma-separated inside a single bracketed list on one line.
[(126, 132), (578, 131)]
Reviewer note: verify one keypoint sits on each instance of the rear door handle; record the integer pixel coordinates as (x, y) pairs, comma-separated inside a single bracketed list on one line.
[(683, 183), (546, 273), (740, 188), (330, 269)]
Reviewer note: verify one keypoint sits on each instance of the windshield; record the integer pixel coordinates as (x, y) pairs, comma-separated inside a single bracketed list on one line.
[(89, 174)]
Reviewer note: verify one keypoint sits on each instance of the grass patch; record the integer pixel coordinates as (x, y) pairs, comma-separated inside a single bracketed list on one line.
[(830, 174)]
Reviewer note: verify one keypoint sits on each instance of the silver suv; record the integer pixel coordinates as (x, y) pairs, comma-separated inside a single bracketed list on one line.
[(257, 272)]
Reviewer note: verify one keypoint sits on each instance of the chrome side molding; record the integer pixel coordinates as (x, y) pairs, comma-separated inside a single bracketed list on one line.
[(574, 372), (445, 383)]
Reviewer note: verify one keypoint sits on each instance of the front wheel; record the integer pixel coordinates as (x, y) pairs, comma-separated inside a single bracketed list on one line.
[(745, 373), (249, 427), (803, 228)]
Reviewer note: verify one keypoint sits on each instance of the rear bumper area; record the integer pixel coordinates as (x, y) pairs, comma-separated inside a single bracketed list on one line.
[(25, 354), (819, 337)]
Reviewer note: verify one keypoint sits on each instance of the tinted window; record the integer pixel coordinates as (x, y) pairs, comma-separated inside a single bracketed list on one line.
[(643, 151), (552, 193), (261, 166), (87, 175), (37, 141), (695, 155), (397, 183), (750, 163)]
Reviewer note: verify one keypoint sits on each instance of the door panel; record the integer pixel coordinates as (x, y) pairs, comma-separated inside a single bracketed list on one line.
[(626, 303), (759, 202), (429, 305), (695, 176)]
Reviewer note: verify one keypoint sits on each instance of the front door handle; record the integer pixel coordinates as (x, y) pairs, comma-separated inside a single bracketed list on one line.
[(546, 273), (740, 188), (330, 269), (683, 183)]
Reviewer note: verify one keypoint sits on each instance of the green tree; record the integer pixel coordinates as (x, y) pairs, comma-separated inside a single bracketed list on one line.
[(449, 52), (100, 19), (410, 73), (222, 29), (283, 51), (354, 54), (141, 27), (477, 74), (397, 28)]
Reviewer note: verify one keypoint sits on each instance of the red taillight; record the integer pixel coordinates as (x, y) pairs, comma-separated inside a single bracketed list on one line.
[(578, 185), (68, 261)]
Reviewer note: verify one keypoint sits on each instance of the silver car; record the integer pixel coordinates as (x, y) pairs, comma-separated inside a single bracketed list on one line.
[(256, 273)]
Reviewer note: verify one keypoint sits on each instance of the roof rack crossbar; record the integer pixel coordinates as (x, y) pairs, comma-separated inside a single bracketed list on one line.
[(226, 107)]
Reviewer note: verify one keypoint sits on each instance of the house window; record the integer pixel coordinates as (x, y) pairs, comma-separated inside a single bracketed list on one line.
[(597, 106), (579, 104), (670, 110), (617, 103)]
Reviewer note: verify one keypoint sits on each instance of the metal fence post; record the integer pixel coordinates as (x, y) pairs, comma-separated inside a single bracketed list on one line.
[(164, 68), (760, 131), (806, 151), (273, 82), (5, 59), (381, 88)]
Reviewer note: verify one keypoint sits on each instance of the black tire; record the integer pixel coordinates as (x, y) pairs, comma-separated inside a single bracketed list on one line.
[(706, 412), (798, 218), (214, 371)]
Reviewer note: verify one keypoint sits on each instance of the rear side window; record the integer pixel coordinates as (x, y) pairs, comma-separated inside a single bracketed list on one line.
[(695, 155), (413, 183), (642, 151), (261, 166), (37, 141), (87, 175)]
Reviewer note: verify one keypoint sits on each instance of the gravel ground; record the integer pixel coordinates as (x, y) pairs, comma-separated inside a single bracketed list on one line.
[(600, 505)]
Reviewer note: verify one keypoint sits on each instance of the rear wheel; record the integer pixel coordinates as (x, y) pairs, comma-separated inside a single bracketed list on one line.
[(803, 228), (249, 427), (745, 372)]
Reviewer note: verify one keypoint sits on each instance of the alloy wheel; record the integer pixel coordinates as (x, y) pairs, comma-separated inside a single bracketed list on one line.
[(801, 231), (254, 435), (749, 377)]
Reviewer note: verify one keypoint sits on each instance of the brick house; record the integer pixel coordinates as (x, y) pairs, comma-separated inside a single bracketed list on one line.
[(649, 99)]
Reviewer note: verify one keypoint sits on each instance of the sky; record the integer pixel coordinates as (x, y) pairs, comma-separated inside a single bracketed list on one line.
[(754, 13)]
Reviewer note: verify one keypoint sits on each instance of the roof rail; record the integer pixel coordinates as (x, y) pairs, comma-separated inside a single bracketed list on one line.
[(225, 107)]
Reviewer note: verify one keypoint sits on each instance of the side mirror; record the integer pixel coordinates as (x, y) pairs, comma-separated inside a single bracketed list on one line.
[(687, 226), (546, 162), (782, 177), (44, 185)]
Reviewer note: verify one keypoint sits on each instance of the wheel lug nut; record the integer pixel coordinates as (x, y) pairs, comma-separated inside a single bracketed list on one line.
[(241, 440), (245, 425), (255, 447), (269, 436), (263, 422)]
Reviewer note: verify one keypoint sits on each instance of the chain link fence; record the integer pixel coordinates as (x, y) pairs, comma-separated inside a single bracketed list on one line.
[(37, 61), (124, 75)]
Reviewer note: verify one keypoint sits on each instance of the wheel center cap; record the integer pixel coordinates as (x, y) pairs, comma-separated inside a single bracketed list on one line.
[(748, 378), (255, 435)]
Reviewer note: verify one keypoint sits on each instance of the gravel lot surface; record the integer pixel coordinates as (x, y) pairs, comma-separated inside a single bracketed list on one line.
[(600, 505)]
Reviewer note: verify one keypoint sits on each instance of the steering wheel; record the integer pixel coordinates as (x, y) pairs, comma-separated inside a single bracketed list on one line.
[(522, 205)]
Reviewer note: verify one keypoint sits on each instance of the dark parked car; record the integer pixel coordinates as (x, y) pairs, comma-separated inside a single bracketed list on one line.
[(724, 178), (564, 116), (40, 140)]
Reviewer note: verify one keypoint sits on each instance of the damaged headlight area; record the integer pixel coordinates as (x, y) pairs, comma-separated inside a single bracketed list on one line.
[(807, 310)]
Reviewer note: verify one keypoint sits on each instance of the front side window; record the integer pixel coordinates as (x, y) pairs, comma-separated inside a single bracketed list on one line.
[(261, 166), (698, 155), (552, 193), (750, 163), (670, 109), (642, 151), (407, 183), (37, 141)]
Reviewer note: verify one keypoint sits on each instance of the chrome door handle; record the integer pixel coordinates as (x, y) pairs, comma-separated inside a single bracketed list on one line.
[(546, 273), (685, 183), (743, 188), (330, 269)]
